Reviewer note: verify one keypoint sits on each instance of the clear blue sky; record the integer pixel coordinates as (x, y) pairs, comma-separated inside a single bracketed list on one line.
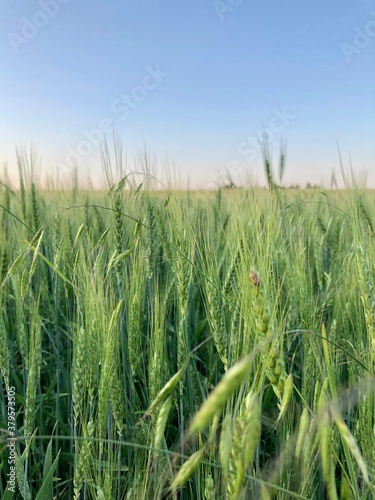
[(194, 80)]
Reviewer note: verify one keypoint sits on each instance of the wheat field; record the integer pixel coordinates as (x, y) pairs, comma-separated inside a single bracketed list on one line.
[(163, 344)]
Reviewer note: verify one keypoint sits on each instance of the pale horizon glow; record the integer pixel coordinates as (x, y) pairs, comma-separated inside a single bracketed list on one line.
[(196, 84)]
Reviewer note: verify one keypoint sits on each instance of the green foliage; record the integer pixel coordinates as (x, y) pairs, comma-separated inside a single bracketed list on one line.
[(146, 364)]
